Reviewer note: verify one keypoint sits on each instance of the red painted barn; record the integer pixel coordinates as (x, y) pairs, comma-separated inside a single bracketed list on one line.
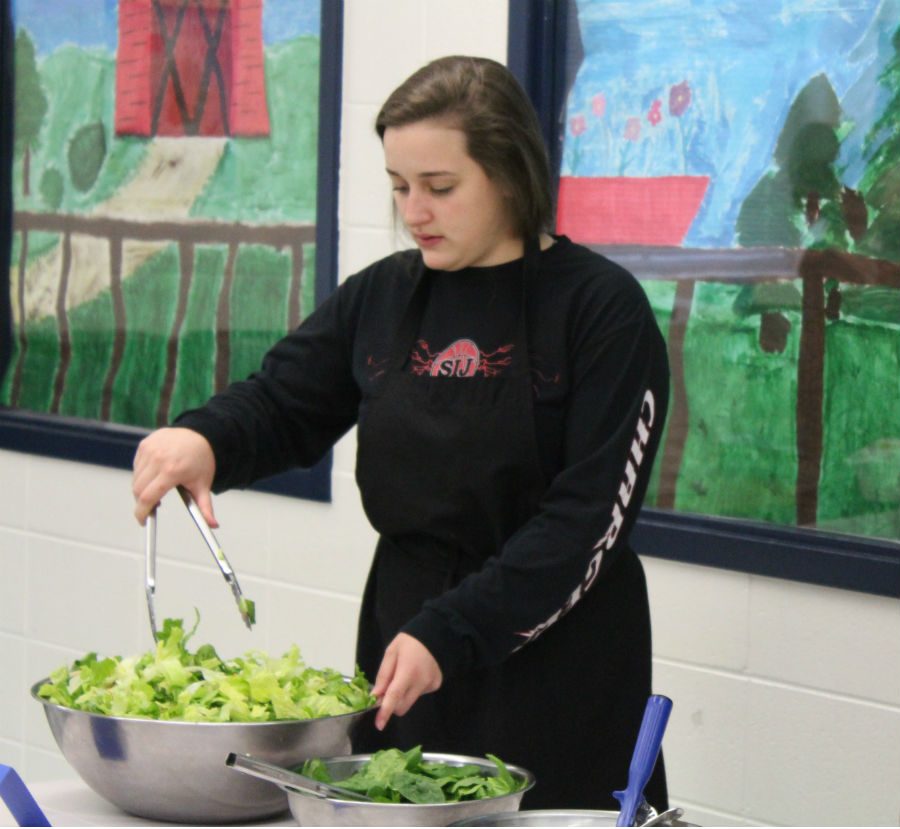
[(191, 67)]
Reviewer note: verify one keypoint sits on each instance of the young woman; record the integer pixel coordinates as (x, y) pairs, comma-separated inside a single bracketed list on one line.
[(509, 389)]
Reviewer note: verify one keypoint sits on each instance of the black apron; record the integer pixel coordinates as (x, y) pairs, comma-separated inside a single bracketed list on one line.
[(448, 470)]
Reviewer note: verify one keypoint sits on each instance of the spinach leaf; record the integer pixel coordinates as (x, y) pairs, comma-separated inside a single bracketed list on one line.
[(394, 776)]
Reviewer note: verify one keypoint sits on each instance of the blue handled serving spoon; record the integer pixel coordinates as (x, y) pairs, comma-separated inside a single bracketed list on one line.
[(643, 759), (20, 802)]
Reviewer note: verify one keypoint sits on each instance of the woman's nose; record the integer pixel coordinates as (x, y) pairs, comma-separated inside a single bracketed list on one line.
[(415, 209)]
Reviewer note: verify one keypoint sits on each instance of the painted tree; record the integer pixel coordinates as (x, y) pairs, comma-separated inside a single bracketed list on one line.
[(881, 180), (52, 187), (801, 202), (30, 104), (87, 149)]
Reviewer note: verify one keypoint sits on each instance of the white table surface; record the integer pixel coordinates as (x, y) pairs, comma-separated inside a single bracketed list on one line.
[(72, 803)]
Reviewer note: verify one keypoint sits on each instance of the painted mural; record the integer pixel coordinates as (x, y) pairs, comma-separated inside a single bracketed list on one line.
[(743, 159), (165, 199)]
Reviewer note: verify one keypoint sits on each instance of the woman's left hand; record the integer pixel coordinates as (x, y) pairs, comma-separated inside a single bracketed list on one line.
[(407, 671)]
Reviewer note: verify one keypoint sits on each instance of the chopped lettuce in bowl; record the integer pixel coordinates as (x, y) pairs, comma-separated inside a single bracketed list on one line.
[(172, 682)]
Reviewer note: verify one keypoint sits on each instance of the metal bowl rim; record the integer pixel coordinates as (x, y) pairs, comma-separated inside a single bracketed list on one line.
[(431, 757), (257, 723), (560, 812), (544, 813)]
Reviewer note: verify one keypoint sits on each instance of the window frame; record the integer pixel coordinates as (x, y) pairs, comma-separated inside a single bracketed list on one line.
[(539, 54), (113, 445)]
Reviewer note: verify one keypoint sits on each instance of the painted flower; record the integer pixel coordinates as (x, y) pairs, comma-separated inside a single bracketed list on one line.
[(679, 98), (577, 125), (635, 133), (632, 129)]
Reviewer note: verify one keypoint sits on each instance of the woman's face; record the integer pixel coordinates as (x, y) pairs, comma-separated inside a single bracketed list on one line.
[(454, 212)]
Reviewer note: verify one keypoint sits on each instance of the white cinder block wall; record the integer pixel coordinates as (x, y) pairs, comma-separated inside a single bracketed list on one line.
[(787, 696)]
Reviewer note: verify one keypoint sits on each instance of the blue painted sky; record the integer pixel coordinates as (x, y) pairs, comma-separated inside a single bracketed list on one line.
[(93, 23), (743, 61)]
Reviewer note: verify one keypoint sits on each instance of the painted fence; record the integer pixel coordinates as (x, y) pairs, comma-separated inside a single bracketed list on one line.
[(186, 236), (822, 275)]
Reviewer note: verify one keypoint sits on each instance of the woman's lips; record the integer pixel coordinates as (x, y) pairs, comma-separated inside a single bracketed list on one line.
[(426, 241)]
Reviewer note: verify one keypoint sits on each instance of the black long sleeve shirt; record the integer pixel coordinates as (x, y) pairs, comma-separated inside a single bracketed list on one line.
[(600, 382)]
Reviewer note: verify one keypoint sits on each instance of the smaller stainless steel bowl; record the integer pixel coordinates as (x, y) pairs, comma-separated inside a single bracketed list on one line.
[(647, 816), (175, 771), (309, 810), (545, 817)]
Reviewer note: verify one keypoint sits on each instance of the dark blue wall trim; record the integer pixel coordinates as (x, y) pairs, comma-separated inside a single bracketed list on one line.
[(6, 161), (849, 562), (330, 78), (544, 52), (114, 445), (94, 442)]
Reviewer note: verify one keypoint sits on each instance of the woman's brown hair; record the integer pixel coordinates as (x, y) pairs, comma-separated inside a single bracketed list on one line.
[(483, 99)]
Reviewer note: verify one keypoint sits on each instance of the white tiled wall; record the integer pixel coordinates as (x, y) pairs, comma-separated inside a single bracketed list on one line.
[(787, 697)]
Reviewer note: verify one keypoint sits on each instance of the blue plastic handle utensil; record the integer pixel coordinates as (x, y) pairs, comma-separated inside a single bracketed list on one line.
[(22, 806), (646, 750)]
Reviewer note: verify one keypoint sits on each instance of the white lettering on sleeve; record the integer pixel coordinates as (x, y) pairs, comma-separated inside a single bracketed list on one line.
[(644, 426)]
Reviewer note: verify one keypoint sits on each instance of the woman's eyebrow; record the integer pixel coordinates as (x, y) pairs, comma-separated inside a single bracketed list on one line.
[(428, 174)]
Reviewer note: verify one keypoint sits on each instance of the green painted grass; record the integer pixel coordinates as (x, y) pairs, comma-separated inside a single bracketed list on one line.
[(197, 339), (150, 302), (91, 327)]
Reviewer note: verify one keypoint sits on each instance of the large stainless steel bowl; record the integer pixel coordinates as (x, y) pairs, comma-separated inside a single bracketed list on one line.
[(309, 810), (175, 771)]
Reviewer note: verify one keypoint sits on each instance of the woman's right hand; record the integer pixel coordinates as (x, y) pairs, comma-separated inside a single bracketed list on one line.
[(170, 457)]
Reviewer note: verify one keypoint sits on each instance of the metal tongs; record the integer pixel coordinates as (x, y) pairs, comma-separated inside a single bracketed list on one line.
[(150, 568), (290, 780), (245, 606)]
